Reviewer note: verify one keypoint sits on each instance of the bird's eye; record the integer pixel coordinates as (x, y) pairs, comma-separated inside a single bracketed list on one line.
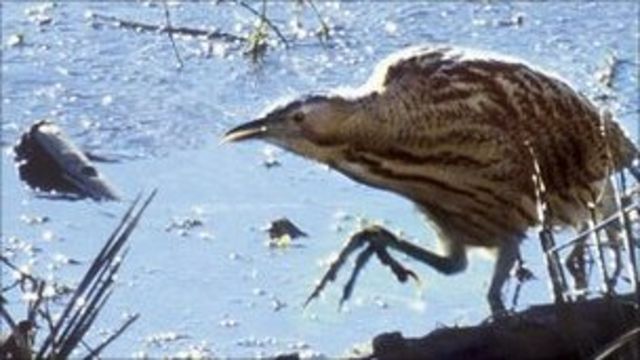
[(298, 117)]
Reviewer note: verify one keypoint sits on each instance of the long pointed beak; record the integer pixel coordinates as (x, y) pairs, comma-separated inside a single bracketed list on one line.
[(256, 129)]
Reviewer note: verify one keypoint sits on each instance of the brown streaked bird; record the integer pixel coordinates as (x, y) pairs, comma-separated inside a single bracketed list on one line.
[(458, 134)]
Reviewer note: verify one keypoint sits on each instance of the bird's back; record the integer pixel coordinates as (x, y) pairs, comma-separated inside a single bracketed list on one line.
[(460, 133)]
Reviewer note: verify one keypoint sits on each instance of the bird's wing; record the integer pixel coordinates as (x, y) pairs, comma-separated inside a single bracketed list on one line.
[(428, 59), (410, 60), (438, 107), (438, 121)]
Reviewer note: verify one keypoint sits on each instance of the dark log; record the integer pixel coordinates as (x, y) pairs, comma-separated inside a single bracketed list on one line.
[(49, 161), (571, 331), (177, 30)]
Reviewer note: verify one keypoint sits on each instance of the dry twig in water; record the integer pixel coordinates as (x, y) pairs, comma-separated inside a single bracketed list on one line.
[(167, 17), (186, 31)]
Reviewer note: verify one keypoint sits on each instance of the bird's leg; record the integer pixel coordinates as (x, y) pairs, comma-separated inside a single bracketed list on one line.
[(402, 273), (352, 244), (576, 265), (522, 274), (377, 247), (361, 261), (576, 262), (379, 239), (617, 261), (508, 254)]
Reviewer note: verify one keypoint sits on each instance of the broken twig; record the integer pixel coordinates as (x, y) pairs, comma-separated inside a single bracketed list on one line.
[(167, 17), (265, 20), (186, 31)]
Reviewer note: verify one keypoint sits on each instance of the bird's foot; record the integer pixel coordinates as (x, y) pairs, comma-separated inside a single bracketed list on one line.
[(376, 240), (523, 273), (503, 315)]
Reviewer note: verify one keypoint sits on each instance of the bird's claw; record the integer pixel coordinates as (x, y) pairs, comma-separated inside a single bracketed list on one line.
[(402, 273), (377, 239), (501, 315), (523, 274)]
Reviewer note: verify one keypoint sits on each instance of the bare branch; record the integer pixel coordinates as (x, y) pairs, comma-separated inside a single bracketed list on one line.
[(325, 30), (266, 20), (170, 34), (139, 26)]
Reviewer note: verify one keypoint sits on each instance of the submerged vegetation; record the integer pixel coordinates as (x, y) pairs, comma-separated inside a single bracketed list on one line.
[(264, 34)]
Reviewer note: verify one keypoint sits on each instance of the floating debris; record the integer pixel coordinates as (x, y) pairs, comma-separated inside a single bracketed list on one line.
[(282, 232), (15, 245), (229, 323), (160, 339), (34, 219), (299, 345), (277, 304), (39, 14), (49, 162), (15, 40), (62, 259), (252, 341), (183, 225), (380, 302), (606, 74), (259, 292), (271, 157), (516, 20), (41, 19), (206, 235)]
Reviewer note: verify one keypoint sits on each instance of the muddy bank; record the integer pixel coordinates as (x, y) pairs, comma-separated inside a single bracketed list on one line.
[(573, 331)]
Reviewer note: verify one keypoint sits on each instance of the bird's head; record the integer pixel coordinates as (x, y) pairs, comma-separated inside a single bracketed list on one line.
[(311, 126)]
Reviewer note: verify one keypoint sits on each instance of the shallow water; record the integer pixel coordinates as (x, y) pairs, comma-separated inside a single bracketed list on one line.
[(118, 93)]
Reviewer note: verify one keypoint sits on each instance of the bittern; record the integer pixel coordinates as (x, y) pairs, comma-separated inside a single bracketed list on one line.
[(463, 135)]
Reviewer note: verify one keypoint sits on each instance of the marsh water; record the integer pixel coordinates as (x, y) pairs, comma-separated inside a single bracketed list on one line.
[(217, 285)]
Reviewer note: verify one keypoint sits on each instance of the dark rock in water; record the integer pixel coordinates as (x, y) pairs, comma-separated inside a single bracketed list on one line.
[(282, 232), (49, 162), (283, 227)]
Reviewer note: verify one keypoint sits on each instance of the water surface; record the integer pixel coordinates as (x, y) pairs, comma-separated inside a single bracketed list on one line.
[(118, 93)]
